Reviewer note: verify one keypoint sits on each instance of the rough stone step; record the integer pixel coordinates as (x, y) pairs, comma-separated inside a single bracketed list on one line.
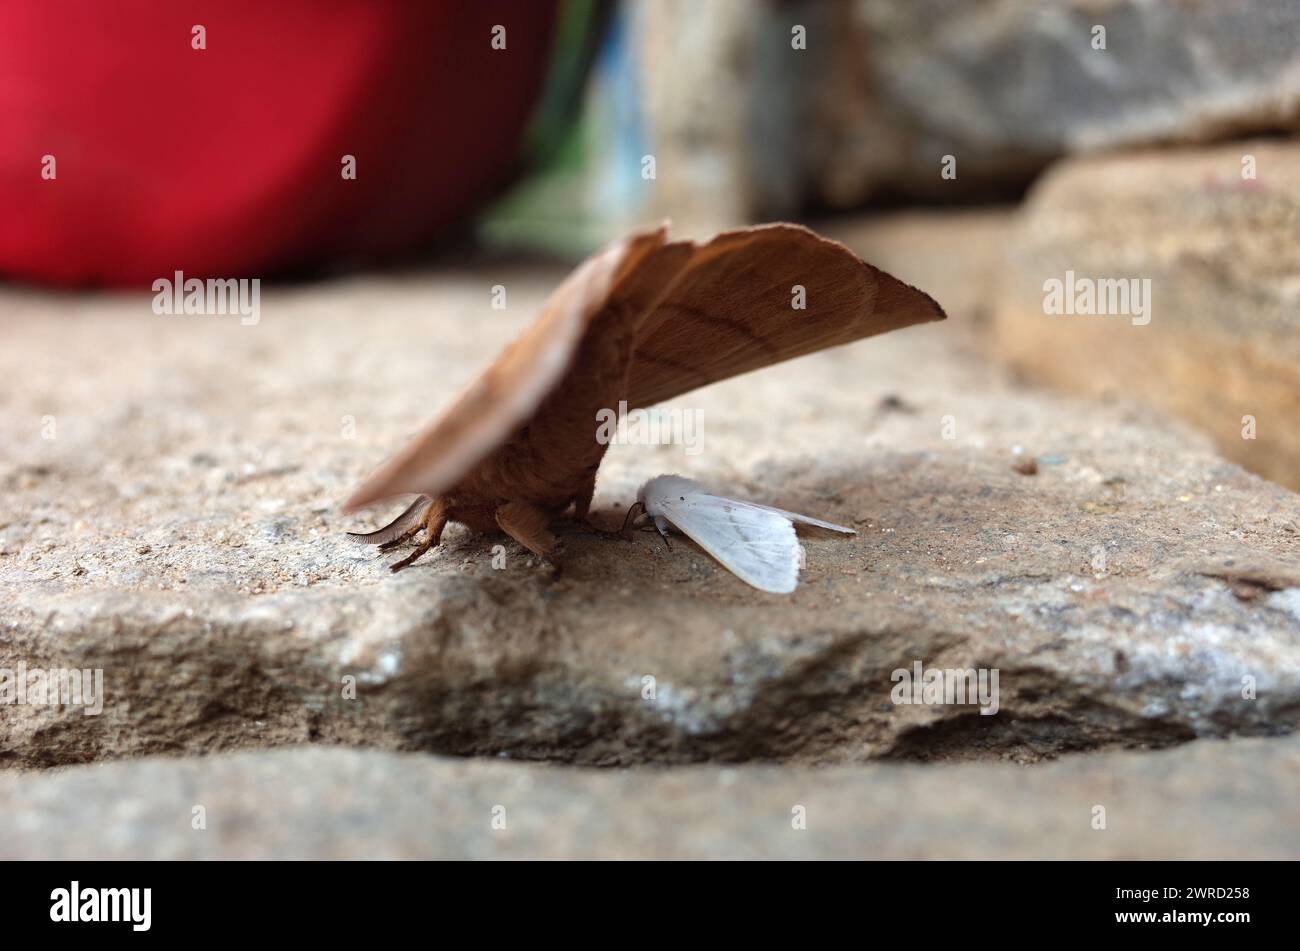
[(179, 531), (1210, 799)]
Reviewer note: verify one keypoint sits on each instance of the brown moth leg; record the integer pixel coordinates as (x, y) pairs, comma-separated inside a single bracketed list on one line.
[(582, 500), (528, 525), (582, 511), (434, 521)]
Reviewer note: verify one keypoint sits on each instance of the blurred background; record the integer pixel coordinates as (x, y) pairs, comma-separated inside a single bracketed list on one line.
[(1113, 138), (1052, 496)]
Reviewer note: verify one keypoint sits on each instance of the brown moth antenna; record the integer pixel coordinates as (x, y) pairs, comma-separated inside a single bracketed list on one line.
[(398, 530)]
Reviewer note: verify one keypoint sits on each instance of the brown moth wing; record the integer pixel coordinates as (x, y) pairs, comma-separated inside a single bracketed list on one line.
[(730, 309), (508, 393), (644, 320), (554, 458)]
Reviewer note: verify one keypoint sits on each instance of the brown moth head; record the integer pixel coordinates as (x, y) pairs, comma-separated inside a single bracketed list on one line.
[(644, 320)]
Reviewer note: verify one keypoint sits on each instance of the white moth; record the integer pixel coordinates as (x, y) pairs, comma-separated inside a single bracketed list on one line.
[(756, 543)]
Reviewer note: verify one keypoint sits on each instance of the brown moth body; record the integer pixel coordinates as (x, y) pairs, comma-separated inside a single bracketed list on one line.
[(642, 321)]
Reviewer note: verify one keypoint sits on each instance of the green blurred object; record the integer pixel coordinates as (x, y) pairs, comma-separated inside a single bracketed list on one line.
[(549, 211), (579, 30)]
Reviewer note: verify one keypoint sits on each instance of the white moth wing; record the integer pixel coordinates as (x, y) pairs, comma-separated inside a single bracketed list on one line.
[(805, 519), (755, 544), (666, 487)]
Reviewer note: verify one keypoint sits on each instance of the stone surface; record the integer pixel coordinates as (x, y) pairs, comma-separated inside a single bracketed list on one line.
[(746, 126), (1220, 253), (180, 532), (1208, 800)]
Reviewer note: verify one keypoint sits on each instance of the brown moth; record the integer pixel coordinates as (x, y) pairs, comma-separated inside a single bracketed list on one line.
[(644, 320)]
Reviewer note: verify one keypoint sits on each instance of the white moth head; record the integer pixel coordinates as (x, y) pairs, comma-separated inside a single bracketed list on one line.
[(661, 489)]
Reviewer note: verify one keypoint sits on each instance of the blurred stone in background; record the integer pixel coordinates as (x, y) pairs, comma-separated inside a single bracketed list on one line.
[(1222, 348), (747, 126), (1006, 86)]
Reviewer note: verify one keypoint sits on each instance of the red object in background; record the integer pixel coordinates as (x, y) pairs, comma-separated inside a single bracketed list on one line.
[(226, 161)]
